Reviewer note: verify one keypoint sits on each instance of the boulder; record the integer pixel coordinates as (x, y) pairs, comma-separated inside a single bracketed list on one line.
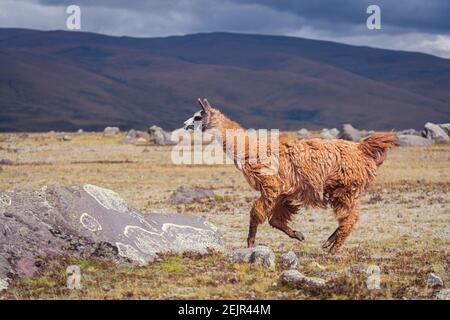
[(443, 294), (434, 132), (290, 260), (90, 221), (304, 134), (349, 133), (409, 132), (413, 140), (445, 127), (159, 136), (183, 195), (434, 281), (111, 131), (260, 255), (295, 279), (329, 134)]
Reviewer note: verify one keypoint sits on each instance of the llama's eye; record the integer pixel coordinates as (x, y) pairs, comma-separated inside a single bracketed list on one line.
[(197, 118)]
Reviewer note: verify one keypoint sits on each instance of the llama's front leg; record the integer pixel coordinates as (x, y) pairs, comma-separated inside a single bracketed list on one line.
[(347, 220), (258, 215)]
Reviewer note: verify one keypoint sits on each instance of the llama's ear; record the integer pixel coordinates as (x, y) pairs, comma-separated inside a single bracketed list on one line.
[(205, 105)]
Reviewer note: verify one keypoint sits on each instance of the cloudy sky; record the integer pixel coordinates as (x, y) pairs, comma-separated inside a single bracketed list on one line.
[(413, 25)]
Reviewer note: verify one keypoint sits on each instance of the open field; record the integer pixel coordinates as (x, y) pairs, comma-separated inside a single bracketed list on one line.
[(404, 226)]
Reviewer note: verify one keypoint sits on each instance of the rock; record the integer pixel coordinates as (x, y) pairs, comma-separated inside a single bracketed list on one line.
[(434, 132), (6, 162), (90, 221), (409, 132), (349, 133), (290, 260), (80, 131), (295, 279), (64, 138), (434, 281), (183, 195), (136, 136), (445, 127), (413, 141), (329, 134), (373, 280), (304, 134), (261, 255), (357, 268), (159, 136), (443, 294), (111, 131)]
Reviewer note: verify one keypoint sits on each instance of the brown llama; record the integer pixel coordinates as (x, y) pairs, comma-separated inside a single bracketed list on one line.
[(311, 173)]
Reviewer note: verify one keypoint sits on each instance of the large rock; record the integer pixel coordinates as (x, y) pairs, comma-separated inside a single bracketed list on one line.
[(111, 131), (434, 132), (445, 127), (183, 195), (304, 134), (408, 132), (260, 255), (434, 281), (329, 134), (136, 136), (349, 133), (159, 136), (443, 294), (89, 221), (289, 260), (413, 140), (295, 279)]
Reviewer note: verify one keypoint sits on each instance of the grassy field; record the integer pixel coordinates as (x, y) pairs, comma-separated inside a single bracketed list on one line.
[(404, 226)]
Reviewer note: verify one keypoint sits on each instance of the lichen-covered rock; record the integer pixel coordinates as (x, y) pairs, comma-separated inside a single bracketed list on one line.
[(304, 134), (261, 255), (159, 136), (443, 294), (183, 195), (90, 221), (290, 260), (329, 134), (348, 132), (434, 132), (434, 281), (413, 141), (295, 279), (409, 132), (111, 131), (445, 127)]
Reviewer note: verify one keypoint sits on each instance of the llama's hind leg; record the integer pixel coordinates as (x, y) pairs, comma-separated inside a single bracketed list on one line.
[(347, 219), (258, 215), (282, 215)]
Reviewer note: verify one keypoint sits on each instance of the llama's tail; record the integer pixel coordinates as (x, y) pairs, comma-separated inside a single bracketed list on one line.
[(376, 146)]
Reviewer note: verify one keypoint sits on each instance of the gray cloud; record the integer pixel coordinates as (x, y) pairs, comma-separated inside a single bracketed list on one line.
[(409, 25)]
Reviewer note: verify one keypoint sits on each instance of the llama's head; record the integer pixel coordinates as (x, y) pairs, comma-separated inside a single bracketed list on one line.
[(202, 119)]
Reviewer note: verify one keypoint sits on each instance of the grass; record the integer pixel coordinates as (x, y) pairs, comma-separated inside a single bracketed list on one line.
[(404, 225)]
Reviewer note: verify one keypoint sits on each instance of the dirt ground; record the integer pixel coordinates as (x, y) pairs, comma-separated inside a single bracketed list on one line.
[(404, 226)]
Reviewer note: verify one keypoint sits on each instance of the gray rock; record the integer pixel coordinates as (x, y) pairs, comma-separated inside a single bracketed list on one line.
[(409, 132), (6, 162), (159, 136), (329, 134), (65, 138), (261, 255), (413, 141), (304, 134), (434, 281), (290, 260), (434, 132), (89, 221), (443, 294), (80, 131), (111, 131), (183, 195), (349, 133), (136, 136), (445, 127), (295, 279)]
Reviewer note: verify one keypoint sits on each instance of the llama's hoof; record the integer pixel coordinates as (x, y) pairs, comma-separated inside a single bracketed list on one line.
[(299, 235), (330, 241)]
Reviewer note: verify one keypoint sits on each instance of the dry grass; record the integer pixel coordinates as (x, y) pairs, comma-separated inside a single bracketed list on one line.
[(404, 226)]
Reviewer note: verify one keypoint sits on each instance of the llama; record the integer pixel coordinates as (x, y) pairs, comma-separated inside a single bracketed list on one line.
[(311, 173)]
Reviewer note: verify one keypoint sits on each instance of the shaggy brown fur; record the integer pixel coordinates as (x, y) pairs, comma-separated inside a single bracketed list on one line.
[(312, 173)]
